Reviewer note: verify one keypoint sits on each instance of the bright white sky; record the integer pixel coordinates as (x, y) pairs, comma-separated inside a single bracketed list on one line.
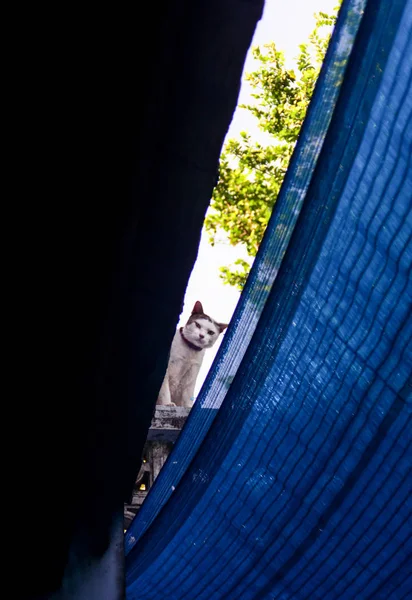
[(288, 24)]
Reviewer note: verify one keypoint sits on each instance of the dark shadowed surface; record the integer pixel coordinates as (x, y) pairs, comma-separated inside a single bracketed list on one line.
[(121, 116)]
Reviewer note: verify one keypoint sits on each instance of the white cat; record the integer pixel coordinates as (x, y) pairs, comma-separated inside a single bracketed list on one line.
[(186, 356)]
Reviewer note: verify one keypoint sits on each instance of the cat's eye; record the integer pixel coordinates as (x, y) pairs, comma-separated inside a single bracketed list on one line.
[(210, 332), (197, 324)]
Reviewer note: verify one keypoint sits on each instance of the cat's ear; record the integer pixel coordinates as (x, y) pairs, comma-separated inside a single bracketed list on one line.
[(198, 309), (222, 326)]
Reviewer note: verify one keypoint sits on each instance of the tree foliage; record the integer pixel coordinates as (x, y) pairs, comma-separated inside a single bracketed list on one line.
[(251, 173)]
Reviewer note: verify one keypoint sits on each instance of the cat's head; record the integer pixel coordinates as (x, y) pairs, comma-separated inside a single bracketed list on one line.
[(201, 330)]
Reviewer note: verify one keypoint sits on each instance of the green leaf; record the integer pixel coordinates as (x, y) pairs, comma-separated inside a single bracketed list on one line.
[(251, 175)]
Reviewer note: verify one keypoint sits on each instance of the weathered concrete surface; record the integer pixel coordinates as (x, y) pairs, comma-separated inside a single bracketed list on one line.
[(167, 423)]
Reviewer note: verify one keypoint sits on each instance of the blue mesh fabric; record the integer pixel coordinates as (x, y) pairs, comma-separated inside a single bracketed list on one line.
[(292, 478)]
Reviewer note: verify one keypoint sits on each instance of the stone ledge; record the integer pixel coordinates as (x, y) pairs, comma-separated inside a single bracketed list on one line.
[(167, 423)]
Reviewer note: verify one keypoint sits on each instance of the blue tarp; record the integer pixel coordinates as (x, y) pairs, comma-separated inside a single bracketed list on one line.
[(292, 476)]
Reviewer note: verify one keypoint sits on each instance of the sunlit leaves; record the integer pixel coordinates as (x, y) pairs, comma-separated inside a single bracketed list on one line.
[(251, 173)]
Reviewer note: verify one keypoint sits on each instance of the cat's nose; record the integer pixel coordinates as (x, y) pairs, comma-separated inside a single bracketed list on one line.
[(201, 336)]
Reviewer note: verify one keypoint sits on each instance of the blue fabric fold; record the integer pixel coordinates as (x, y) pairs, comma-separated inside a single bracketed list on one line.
[(292, 477)]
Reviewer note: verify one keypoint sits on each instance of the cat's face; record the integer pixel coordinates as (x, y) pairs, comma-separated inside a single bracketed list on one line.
[(201, 330)]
